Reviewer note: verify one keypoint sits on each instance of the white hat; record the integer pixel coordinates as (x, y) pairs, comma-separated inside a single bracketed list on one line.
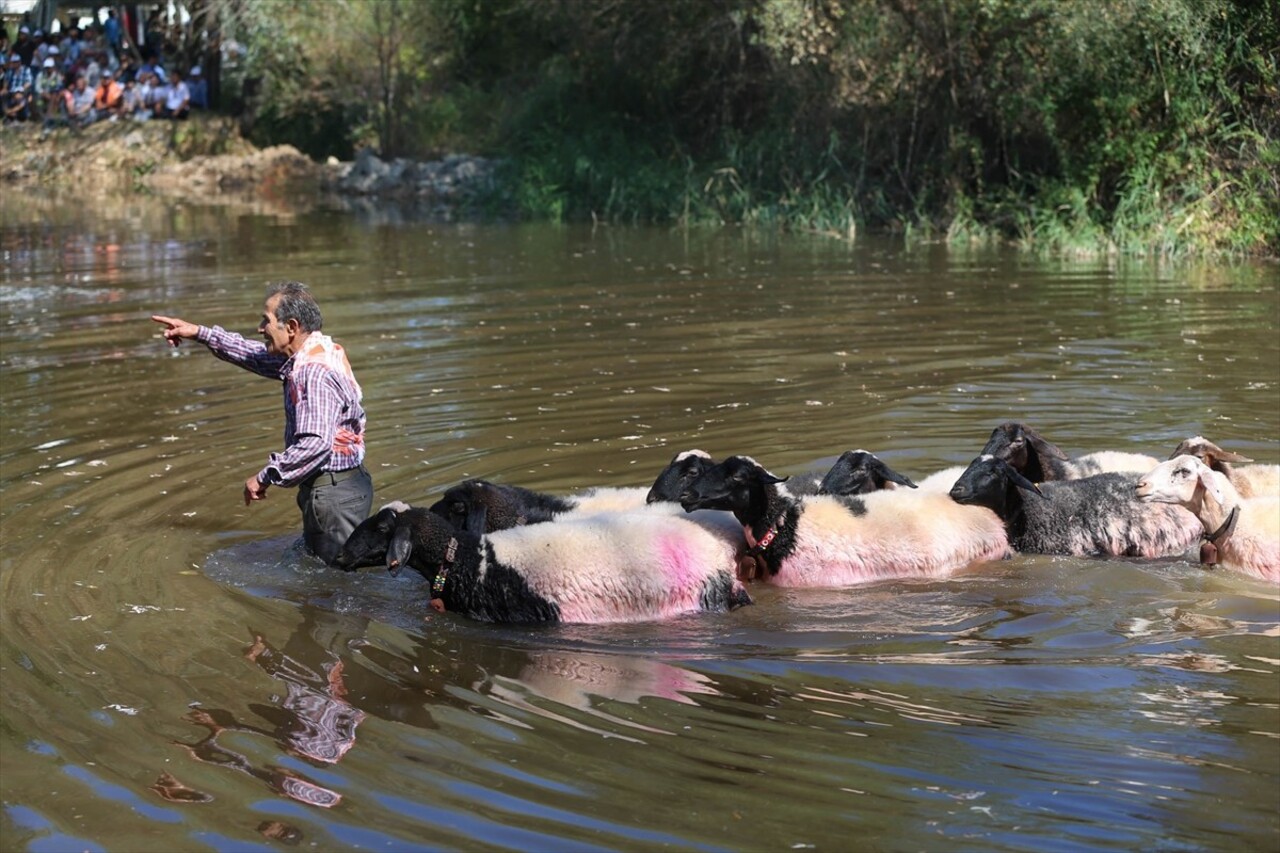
[(195, 71), (53, 50), (48, 62), (24, 29)]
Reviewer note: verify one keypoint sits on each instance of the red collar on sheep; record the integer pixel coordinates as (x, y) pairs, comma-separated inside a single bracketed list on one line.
[(1215, 540), (768, 537), (442, 575)]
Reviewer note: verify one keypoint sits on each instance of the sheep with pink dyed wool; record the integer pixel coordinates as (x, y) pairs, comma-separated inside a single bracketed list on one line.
[(829, 541), (652, 563), (1240, 534)]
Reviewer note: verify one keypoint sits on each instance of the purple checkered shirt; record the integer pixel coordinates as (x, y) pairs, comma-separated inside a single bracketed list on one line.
[(323, 419)]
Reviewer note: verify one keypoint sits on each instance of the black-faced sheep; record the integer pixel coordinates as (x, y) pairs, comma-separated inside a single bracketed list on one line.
[(1095, 515), (1241, 534), (858, 472), (502, 506), (617, 567), (824, 541), (1039, 460), (1249, 480), (366, 545), (499, 504)]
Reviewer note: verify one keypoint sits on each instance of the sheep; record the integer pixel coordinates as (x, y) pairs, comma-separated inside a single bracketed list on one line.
[(617, 567), (858, 472), (1249, 480), (1241, 534), (366, 545), (1039, 460), (823, 541), (503, 506), (1095, 515)]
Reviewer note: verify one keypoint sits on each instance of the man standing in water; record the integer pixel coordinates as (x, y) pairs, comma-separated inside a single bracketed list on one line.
[(324, 423)]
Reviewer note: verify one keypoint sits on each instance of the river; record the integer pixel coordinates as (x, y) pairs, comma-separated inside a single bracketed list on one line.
[(174, 677)]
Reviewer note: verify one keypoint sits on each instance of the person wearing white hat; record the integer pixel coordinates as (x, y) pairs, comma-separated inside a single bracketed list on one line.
[(24, 46), (49, 90), (17, 87), (198, 88)]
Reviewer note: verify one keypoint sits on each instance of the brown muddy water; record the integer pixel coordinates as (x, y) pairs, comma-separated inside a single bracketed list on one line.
[(174, 678)]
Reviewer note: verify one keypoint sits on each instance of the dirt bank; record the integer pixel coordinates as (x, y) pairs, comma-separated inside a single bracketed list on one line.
[(206, 159)]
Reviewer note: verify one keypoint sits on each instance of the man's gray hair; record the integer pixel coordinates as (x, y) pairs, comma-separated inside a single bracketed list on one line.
[(296, 303)]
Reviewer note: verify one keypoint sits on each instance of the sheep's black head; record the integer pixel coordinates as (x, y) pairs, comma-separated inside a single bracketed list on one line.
[(1024, 449), (857, 472), (367, 544), (683, 469), (421, 539), (737, 484), (991, 482), (469, 505)]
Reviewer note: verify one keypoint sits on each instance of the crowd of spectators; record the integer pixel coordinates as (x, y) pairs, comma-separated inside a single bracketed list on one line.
[(74, 78)]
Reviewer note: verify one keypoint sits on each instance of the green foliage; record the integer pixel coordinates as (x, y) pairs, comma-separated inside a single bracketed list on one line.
[(1100, 126)]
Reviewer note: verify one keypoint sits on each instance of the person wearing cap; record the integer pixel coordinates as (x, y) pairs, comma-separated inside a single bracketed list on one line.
[(324, 418), (24, 46), (48, 90), (199, 88), (16, 90), (55, 54), (108, 97)]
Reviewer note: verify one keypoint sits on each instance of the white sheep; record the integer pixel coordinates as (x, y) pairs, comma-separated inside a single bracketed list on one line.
[(825, 541), (1241, 534), (1250, 480)]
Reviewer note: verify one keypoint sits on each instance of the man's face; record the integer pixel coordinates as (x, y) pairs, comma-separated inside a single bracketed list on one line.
[(278, 336)]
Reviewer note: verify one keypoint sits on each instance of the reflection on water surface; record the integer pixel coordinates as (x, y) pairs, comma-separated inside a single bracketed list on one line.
[(175, 677)]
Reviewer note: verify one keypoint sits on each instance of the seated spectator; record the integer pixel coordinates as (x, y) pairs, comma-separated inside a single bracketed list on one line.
[(176, 103), (72, 45), (151, 65), (17, 89), (92, 69), (24, 46), (127, 70), (199, 88), (132, 103), (80, 111), (147, 91), (108, 96), (48, 89)]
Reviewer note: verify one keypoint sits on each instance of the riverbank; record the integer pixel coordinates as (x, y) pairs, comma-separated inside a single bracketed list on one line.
[(206, 158)]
